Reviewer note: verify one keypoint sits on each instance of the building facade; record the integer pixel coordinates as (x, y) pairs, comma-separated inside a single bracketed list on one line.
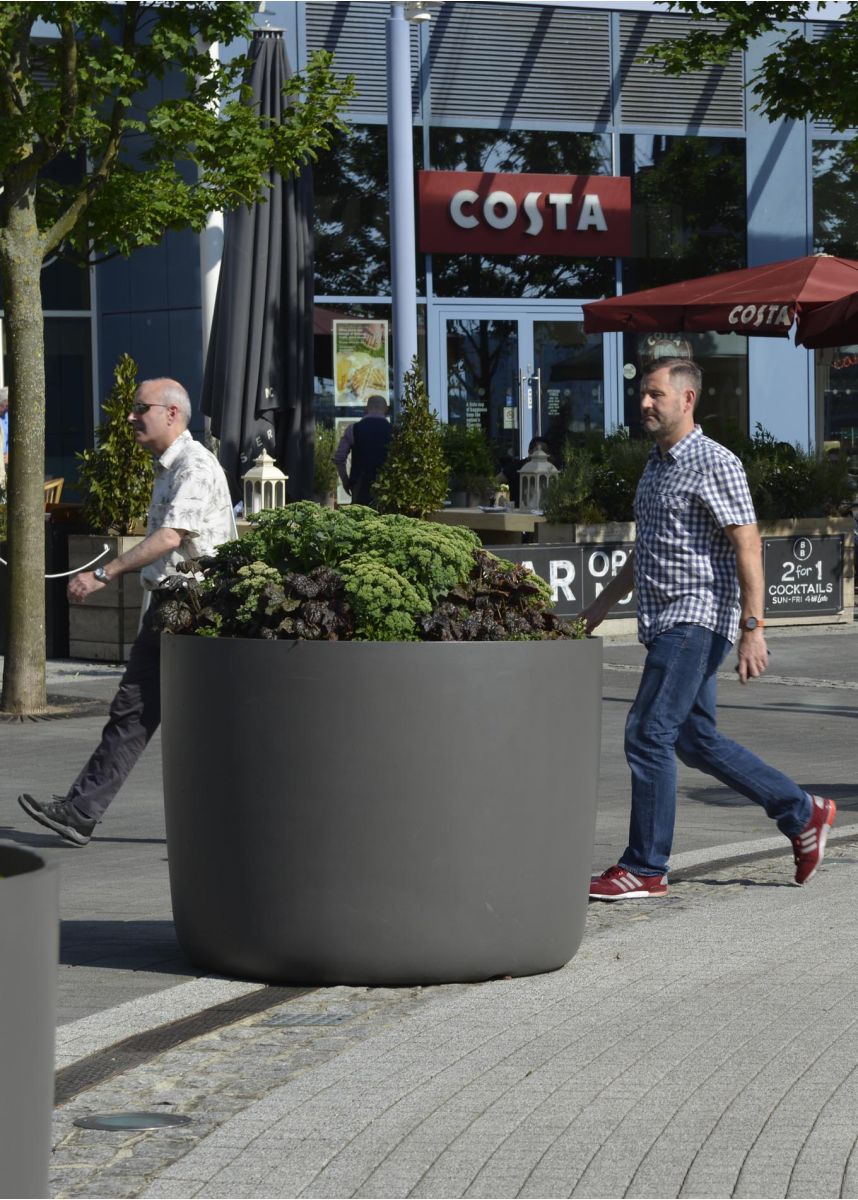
[(519, 89)]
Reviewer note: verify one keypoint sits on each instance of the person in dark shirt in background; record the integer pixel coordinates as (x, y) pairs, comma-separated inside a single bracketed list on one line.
[(367, 441)]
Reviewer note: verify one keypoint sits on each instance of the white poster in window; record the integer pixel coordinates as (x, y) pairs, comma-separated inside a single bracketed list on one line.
[(360, 362)]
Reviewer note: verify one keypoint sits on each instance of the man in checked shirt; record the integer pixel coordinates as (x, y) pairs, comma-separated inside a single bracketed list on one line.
[(697, 570)]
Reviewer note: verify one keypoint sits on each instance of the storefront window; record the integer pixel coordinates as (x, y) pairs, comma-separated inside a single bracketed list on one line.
[(835, 231), (352, 230), (68, 396), (688, 207), (835, 200), (324, 392), (516, 152), (722, 409), (837, 376)]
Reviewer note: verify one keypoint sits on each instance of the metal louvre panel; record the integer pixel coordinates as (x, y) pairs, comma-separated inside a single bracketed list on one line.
[(816, 31), (356, 34), (512, 61), (714, 96)]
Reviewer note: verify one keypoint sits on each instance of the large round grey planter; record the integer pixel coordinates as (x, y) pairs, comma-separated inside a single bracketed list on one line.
[(29, 947), (380, 813)]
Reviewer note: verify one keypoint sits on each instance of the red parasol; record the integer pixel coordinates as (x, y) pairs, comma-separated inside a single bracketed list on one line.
[(818, 292)]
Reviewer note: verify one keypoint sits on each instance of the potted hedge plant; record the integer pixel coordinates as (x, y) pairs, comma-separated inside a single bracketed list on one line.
[(116, 478), (324, 471), (29, 951), (472, 470), (402, 756), (413, 480)]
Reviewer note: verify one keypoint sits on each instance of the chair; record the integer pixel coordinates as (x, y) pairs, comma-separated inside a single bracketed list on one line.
[(53, 491)]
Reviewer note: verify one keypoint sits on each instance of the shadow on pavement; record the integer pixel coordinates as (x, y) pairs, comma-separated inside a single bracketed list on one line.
[(123, 945), (52, 841), (723, 797)]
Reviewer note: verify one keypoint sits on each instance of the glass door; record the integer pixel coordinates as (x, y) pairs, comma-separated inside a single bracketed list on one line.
[(517, 376), (481, 378), (569, 379)]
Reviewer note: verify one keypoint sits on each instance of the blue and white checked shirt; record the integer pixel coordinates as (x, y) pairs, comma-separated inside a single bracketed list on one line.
[(685, 566)]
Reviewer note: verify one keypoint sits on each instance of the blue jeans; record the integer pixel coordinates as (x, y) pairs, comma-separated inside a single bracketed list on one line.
[(674, 716)]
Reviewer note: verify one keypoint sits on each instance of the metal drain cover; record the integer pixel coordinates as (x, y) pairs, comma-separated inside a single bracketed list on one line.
[(131, 1120), (310, 1019)]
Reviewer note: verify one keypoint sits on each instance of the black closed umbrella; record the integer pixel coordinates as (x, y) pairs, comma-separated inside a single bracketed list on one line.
[(258, 382)]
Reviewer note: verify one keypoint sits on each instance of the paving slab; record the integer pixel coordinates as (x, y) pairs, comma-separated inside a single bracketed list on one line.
[(701, 1045)]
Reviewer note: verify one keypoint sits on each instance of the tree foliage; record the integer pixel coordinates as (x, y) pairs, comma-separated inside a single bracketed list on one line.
[(117, 473), (162, 134), (798, 78), (152, 164)]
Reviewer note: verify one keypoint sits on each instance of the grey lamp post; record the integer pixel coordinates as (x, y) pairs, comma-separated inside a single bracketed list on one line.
[(403, 242)]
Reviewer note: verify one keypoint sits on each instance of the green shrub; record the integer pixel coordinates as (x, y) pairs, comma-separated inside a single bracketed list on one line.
[(787, 482), (317, 573), (469, 458), (324, 472), (116, 476), (413, 480), (599, 479)]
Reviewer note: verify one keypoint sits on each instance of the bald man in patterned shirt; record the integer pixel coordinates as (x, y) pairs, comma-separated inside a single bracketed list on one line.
[(697, 572), (189, 516)]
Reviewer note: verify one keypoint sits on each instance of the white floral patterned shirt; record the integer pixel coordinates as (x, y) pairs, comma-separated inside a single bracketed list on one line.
[(190, 494)]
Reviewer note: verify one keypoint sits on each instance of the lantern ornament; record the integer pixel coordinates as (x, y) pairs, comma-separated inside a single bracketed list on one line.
[(534, 477), (264, 485)]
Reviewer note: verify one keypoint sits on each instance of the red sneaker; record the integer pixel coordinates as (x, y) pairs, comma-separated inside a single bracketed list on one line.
[(809, 845), (619, 884)]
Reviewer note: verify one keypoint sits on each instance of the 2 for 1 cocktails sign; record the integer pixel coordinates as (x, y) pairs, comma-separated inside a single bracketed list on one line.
[(475, 212)]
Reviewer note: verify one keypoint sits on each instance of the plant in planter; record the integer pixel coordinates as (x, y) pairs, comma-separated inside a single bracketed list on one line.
[(410, 743), (324, 471), (472, 470), (116, 477), (413, 480), (311, 573)]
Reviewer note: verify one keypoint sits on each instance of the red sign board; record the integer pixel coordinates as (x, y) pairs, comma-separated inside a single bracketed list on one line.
[(477, 212)]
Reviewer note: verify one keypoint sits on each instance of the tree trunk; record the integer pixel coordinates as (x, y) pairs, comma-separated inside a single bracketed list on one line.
[(20, 267)]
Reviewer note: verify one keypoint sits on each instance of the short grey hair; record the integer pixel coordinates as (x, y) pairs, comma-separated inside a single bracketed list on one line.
[(171, 392), (680, 370), (376, 404)]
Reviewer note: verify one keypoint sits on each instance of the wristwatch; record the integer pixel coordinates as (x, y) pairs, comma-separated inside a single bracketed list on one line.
[(101, 575), (750, 623)]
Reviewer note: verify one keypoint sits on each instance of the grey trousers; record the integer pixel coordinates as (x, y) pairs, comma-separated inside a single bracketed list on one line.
[(135, 714)]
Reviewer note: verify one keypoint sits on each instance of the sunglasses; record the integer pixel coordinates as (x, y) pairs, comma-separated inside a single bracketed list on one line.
[(138, 407)]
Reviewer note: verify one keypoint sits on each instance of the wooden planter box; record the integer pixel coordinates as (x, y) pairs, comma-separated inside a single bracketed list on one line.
[(104, 628)]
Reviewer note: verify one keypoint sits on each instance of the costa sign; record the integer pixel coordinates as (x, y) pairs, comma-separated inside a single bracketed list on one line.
[(752, 316), (474, 212)]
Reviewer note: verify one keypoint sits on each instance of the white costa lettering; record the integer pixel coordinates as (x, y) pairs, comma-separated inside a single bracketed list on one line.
[(533, 213), (560, 202), (591, 215), (460, 199), (755, 315), (500, 210), (502, 200)]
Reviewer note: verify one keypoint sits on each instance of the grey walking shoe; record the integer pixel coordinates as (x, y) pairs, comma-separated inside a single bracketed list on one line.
[(60, 815)]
